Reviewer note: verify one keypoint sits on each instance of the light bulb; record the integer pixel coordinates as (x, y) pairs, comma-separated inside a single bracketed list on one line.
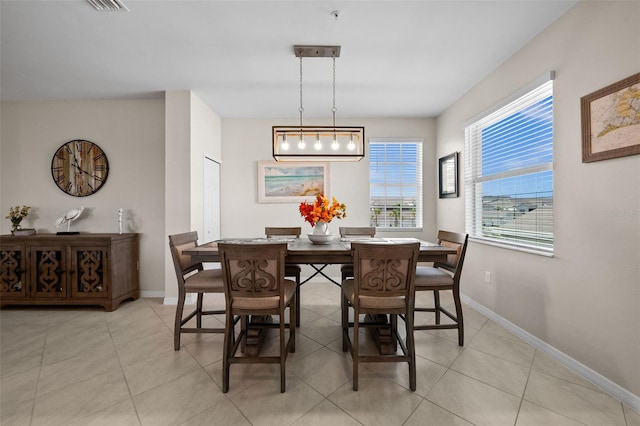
[(318, 144), (285, 144), (335, 145), (301, 144), (351, 146)]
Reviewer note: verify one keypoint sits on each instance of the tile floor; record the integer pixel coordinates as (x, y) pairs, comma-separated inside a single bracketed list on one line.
[(83, 366)]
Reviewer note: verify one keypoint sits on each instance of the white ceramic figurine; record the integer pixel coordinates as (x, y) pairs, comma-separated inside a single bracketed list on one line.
[(120, 212), (69, 217)]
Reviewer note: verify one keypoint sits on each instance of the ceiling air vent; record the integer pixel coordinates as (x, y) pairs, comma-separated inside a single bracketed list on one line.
[(108, 5)]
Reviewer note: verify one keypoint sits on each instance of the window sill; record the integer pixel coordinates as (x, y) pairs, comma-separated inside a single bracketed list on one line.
[(515, 247), (378, 229)]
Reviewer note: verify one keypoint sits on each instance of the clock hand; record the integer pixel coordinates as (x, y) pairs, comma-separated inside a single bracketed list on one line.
[(76, 164), (87, 173), (81, 169)]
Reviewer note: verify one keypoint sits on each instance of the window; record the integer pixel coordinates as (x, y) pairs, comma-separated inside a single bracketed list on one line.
[(395, 183), (509, 173)]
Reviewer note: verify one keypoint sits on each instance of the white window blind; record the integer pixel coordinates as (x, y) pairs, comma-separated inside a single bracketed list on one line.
[(509, 173), (395, 183)]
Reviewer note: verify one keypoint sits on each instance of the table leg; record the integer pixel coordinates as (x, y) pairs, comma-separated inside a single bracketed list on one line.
[(382, 334), (256, 335), (319, 271)]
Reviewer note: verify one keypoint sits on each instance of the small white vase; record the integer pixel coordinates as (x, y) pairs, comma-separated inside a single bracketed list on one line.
[(321, 228)]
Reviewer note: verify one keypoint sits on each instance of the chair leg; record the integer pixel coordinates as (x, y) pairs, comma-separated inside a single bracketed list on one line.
[(456, 299), (283, 352), (199, 310), (178, 322), (393, 321), (436, 304), (244, 328), (233, 330), (356, 331), (411, 348), (297, 316), (344, 306), (292, 326), (229, 341)]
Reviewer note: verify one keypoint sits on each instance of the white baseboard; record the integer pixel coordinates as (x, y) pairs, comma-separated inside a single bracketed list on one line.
[(621, 394), (189, 300), (152, 294)]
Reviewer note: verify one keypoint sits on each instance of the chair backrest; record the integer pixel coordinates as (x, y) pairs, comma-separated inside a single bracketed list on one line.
[(275, 231), (357, 231), (252, 270), (182, 262), (383, 269), (454, 261)]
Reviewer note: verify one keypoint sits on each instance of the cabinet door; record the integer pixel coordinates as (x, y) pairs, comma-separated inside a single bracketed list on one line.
[(48, 267), (12, 272), (90, 272)]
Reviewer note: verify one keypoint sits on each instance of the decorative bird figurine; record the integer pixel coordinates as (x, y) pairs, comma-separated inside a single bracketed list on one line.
[(69, 217)]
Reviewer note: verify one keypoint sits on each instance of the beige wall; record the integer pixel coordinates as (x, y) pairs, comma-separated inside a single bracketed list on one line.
[(156, 170), (206, 134), (131, 132), (193, 130), (177, 179), (245, 142), (585, 301)]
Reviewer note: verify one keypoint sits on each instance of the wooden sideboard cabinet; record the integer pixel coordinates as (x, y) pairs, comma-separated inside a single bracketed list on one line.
[(83, 269)]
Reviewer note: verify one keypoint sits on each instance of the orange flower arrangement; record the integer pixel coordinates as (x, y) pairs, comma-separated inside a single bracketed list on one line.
[(322, 210)]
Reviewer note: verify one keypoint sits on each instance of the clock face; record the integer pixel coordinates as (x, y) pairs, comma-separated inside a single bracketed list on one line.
[(79, 168)]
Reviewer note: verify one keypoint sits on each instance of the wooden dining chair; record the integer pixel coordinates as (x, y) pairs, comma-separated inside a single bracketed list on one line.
[(290, 269), (254, 284), (354, 232), (192, 278), (444, 276), (383, 283)]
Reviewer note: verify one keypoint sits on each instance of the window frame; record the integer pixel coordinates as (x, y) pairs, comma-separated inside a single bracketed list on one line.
[(419, 185), (474, 212)]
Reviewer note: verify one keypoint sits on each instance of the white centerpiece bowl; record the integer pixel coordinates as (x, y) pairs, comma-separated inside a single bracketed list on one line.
[(321, 238)]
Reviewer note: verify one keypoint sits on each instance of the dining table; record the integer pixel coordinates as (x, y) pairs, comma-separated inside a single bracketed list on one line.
[(336, 251), (303, 251)]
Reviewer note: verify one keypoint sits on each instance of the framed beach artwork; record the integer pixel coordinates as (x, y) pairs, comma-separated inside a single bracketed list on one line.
[(611, 121), (291, 182)]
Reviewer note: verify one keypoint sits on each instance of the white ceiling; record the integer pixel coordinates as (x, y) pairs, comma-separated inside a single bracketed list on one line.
[(399, 58)]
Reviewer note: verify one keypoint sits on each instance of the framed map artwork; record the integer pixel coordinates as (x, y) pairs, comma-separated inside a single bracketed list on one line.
[(291, 182), (611, 121)]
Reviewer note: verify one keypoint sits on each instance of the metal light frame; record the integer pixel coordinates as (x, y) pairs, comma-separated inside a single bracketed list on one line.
[(350, 143), (318, 143)]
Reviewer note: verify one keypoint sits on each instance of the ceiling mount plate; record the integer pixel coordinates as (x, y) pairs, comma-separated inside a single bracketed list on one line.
[(108, 5), (317, 51)]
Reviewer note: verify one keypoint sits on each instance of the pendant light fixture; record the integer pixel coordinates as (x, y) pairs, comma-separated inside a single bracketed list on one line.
[(326, 143)]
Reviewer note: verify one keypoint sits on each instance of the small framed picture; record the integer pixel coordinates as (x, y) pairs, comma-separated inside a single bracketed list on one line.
[(448, 176), (611, 121), (291, 182)]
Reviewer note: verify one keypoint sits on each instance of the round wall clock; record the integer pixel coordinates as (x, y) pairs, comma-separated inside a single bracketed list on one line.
[(79, 168)]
